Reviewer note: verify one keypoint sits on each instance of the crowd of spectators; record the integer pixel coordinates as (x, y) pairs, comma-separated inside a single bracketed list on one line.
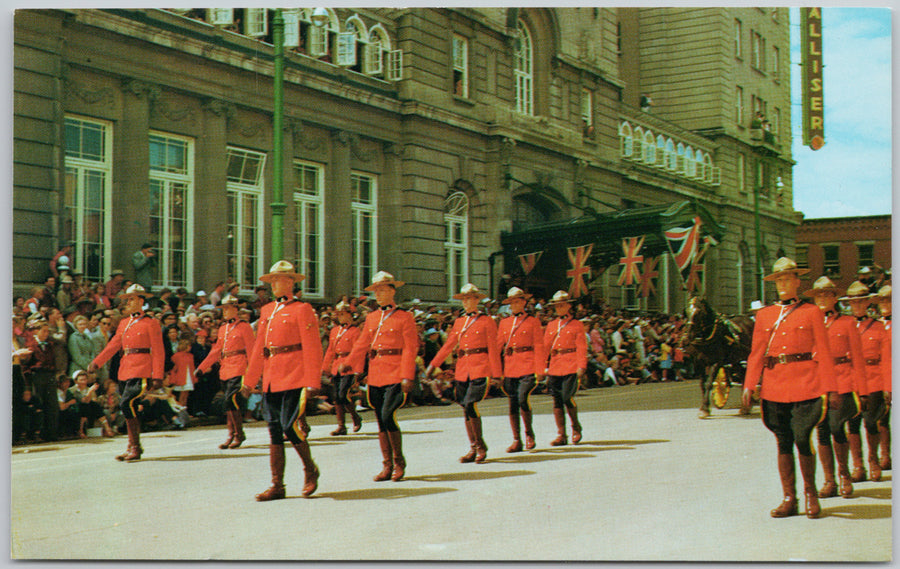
[(66, 322)]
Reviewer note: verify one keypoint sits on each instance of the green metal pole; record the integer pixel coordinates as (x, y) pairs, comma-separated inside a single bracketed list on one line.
[(758, 239), (278, 205)]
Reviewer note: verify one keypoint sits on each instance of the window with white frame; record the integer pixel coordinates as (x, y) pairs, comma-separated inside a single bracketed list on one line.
[(626, 140), (700, 165), (649, 148), (220, 16), (739, 105), (318, 39), (171, 207), (690, 165), (88, 195), (680, 167), (364, 211), (244, 190), (291, 27), (738, 35), (309, 207), (379, 44), (757, 51), (395, 65), (671, 155), (638, 142), (776, 120), (255, 23), (662, 156), (587, 111), (865, 251), (524, 70), (456, 241), (775, 64), (741, 175), (460, 65)]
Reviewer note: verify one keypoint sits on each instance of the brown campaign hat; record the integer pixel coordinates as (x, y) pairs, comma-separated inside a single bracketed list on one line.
[(282, 268), (884, 292), (514, 293), (857, 291), (559, 297), (384, 278), (822, 285), (135, 290), (469, 290), (783, 266)]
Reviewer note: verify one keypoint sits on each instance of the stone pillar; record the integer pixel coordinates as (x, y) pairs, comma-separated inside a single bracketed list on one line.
[(390, 214), (211, 199), (338, 220)]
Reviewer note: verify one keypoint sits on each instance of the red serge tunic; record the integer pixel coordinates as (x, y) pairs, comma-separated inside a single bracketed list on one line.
[(234, 344), (566, 344), (140, 337), (874, 344), (473, 339), (886, 355), (844, 343), (393, 333), (802, 330), (340, 343), (515, 335), (284, 327)]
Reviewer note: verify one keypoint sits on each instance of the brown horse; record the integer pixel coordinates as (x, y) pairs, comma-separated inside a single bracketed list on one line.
[(720, 346)]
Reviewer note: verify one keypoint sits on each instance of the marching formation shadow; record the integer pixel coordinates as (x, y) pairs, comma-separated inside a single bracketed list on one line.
[(390, 492), (195, 457), (466, 476), (860, 512)]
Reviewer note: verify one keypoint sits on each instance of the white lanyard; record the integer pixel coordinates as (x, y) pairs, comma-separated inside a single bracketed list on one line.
[(278, 307), (384, 316), (559, 329), (515, 327)]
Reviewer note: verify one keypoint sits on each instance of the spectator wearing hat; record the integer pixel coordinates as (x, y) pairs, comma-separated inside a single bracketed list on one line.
[(114, 285), (81, 347), (473, 340), (390, 343), (340, 341), (883, 299), (287, 354), (565, 342), (791, 356), (201, 299), (139, 337), (64, 294), (520, 338), (846, 348), (215, 297), (40, 372), (875, 349), (234, 342), (144, 263)]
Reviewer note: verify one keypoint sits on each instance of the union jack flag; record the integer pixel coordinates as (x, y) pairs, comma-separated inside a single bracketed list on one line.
[(683, 243), (693, 281), (529, 260), (630, 271), (650, 273), (578, 256)]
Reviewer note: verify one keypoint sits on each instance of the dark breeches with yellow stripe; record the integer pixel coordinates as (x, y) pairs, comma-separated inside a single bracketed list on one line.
[(283, 411), (833, 425), (131, 390), (469, 393), (385, 400), (518, 389), (233, 399), (793, 423), (562, 389)]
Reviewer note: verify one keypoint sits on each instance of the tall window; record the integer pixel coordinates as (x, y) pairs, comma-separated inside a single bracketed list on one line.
[(649, 148), (776, 120), (87, 195), (244, 191), (866, 254), (739, 105), (524, 71), (456, 242), (671, 155), (626, 140), (831, 265), (364, 210), (801, 256), (738, 34), (757, 51), (741, 173), (171, 197), (309, 206), (587, 111), (775, 63), (460, 65)]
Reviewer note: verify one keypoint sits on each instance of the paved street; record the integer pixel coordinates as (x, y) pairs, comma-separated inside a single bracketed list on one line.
[(647, 485)]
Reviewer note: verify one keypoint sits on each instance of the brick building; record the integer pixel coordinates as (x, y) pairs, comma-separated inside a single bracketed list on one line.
[(839, 246), (413, 138)]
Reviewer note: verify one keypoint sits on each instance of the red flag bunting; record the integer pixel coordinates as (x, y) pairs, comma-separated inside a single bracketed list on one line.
[(647, 285), (529, 260), (578, 256), (683, 243), (630, 271)]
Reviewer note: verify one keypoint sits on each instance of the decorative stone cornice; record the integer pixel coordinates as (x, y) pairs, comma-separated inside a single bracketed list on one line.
[(73, 88), (140, 89), (300, 134)]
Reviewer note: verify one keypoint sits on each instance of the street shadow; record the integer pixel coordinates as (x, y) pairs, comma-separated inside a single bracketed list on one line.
[(539, 456), (868, 512), (388, 492), (874, 493), (465, 476), (623, 443), (34, 449), (190, 458)]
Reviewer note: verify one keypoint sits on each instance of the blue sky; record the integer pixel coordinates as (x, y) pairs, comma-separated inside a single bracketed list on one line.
[(851, 175)]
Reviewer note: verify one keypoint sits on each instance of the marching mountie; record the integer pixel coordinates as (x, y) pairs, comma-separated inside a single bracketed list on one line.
[(143, 358), (884, 426), (874, 347), (473, 339), (846, 348), (340, 342), (790, 355), (390, 342), (565, 343), (520, 337), (234, 342), (287, 354)]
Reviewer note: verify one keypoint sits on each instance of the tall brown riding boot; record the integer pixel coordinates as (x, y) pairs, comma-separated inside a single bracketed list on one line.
[(560, 416), (826, 457), (808, 471), (788, 506), (576, 426), (388, 461), (276, 465), (341, 430), (399, 462), (470, 431), (840, 453), (859, 471), (229, 421), (357, 419), (874, 465), (134, 450), (238, 422), (480, 446), (884, 434), (529, 431), (516, 446), (310, 470)]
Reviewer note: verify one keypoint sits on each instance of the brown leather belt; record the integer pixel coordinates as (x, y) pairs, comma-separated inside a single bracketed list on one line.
[(129, 351), (873, 361), (471, 351), (233, 353), (561, 351), (341, 354), (842, 360), (385, 352), (517, 349), (271, 351), (771, 361)]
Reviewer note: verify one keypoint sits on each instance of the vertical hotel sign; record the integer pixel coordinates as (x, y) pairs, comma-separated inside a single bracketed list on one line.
[(813, 94)]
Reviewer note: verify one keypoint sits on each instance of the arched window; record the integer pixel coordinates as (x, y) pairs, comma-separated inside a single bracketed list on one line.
[(661, 157), (456, 242), (690, 167), (698, 164), (638, 141), (649, 148), (379, 45), (626, 140), (707, 168), (524, 70), (351, 44), (671, 156)]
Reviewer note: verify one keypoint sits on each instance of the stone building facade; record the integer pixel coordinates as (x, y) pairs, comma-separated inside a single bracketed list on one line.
[(412, 139)]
